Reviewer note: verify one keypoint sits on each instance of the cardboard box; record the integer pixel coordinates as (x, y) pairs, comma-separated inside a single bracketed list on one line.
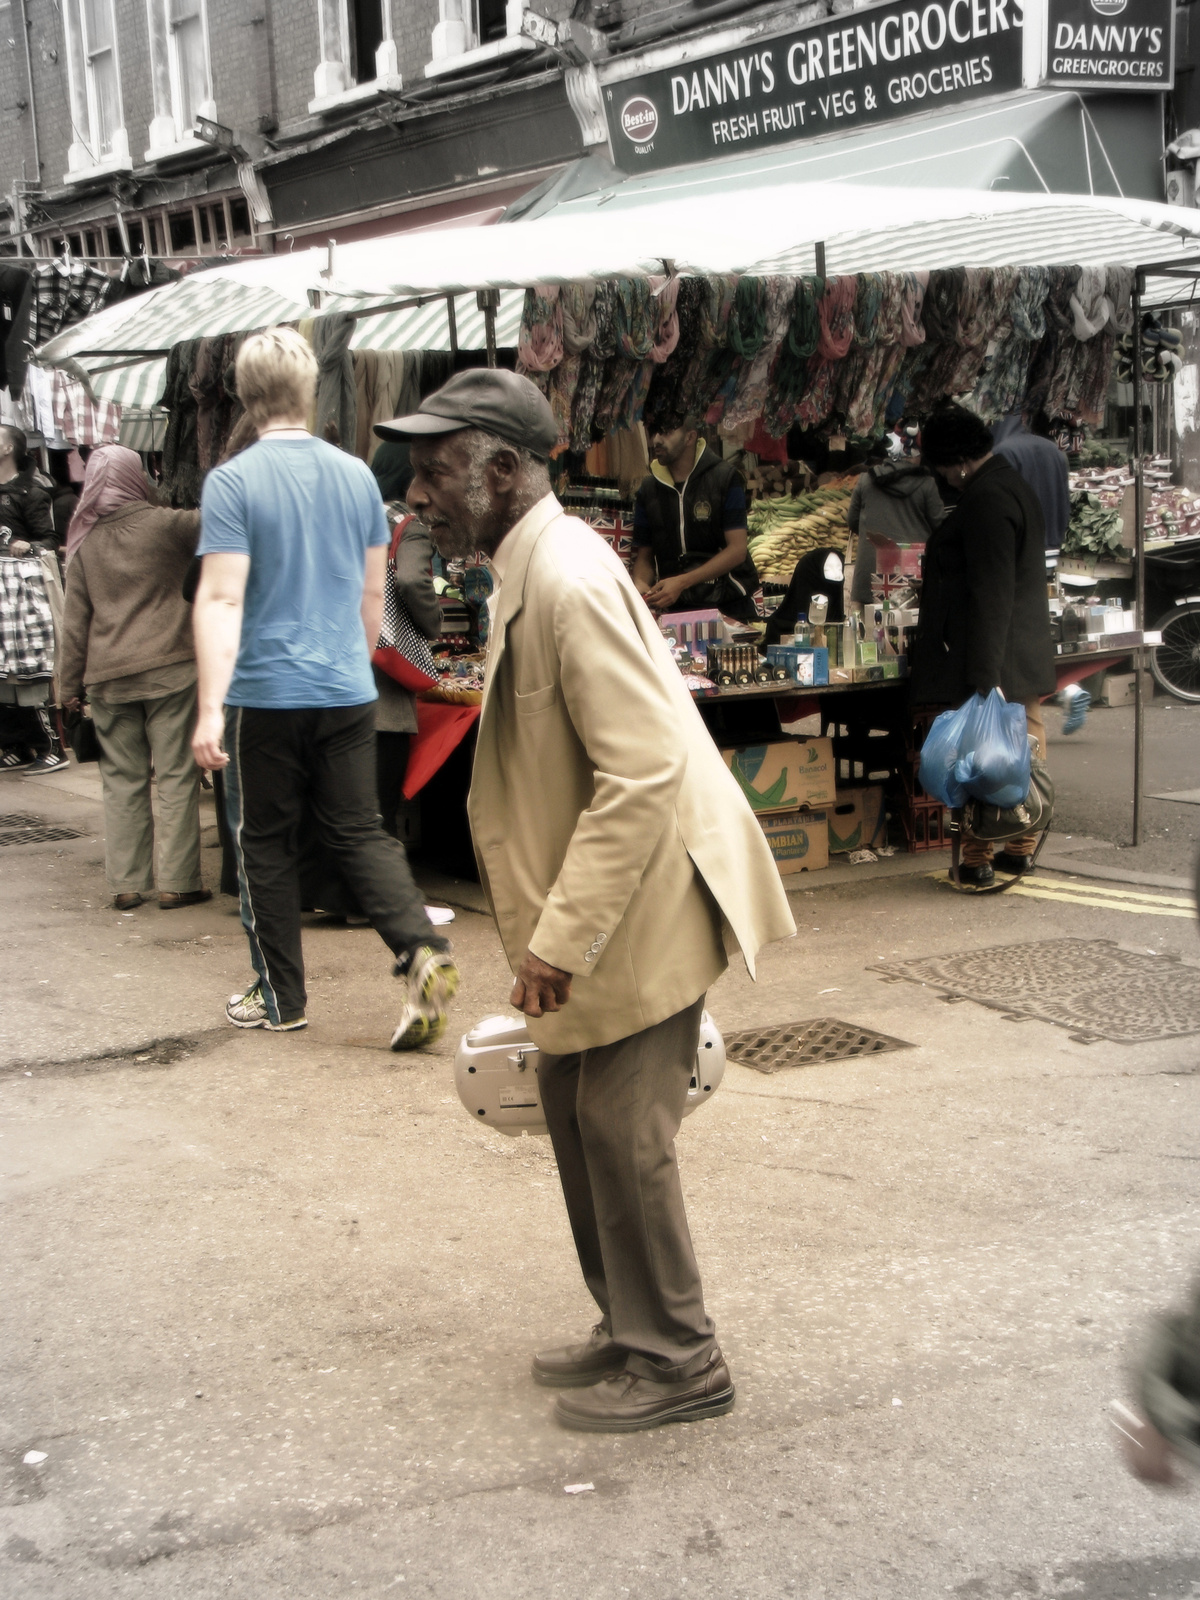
[(805, 664), (857, 820), (1118, 689), (841, 674), (785, 776), (799, 840)]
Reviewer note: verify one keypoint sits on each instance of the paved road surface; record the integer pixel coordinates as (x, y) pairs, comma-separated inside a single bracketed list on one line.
[(268, 1302)]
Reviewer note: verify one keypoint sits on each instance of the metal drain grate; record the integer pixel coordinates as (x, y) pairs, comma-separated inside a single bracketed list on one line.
[(18, 827), (803, 1044), (1088, 985)]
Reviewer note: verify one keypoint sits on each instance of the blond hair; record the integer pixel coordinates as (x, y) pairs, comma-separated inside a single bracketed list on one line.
[(276, 375)]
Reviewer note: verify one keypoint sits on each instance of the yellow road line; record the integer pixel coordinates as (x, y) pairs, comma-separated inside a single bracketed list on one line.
[(1123, 900), (1035, 891), (1122, 894)]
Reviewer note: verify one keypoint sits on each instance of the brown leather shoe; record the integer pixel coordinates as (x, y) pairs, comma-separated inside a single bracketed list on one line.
[(625, 1402), (573, 1366), (126, 902), (194, 897)]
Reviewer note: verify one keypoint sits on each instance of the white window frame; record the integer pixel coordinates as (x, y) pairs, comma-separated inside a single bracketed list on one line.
[(84, 156), (206, 106), (332, 87), (456, 45), (169, 136)]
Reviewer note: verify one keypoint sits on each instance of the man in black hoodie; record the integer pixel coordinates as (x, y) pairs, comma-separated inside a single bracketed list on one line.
[(689, 531)]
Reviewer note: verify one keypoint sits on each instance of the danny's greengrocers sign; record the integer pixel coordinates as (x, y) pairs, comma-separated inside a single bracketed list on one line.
[(1100, 44), (854, 70)]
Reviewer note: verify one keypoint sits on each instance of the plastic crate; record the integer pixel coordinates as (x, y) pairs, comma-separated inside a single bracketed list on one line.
[(926, 825)]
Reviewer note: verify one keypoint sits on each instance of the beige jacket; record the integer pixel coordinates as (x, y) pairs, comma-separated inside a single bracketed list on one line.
[(611, 838)]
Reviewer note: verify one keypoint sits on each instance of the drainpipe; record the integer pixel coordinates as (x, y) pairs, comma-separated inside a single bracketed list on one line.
[(37, 158)]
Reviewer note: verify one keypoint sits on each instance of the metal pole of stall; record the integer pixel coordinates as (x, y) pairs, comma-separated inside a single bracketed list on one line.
[(488, 301), (819, 258), (1139, 556), (452, 319)]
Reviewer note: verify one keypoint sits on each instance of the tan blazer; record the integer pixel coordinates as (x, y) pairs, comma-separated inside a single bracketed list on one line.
[(611, 838)]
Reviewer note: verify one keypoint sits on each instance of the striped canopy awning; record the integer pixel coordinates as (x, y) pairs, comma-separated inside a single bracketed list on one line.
[(621, 231), (125, 369)]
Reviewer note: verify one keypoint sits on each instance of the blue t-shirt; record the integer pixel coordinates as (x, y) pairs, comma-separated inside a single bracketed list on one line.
[(305, 513)]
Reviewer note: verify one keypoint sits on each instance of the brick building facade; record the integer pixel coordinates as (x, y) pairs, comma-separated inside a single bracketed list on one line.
[(100, 98), (198, 127)]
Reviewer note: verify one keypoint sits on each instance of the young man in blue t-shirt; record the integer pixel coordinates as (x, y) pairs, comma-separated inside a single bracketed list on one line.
[(294, 545)]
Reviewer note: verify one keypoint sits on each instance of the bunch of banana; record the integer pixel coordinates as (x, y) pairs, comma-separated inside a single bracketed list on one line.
[(781, 531)]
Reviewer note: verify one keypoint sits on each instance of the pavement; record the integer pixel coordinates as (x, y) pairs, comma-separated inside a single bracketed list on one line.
[(267, 1302)]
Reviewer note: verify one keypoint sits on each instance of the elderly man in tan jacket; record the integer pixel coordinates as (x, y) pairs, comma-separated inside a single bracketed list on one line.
[(622, 864)]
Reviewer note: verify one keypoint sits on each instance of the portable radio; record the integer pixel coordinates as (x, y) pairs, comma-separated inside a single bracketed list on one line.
[(495, 1073)]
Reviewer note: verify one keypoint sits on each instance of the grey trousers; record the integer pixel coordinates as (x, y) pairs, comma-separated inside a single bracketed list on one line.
[(130, 735), (613, 1113)]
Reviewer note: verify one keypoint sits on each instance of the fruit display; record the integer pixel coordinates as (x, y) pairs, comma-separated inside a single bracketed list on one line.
[(783, 530)]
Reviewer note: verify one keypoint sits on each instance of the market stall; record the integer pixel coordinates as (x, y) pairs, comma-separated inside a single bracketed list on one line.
[(632, 315)]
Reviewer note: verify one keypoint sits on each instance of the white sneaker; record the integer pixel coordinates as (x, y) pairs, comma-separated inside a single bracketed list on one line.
[(432, 982), (249, 1010)]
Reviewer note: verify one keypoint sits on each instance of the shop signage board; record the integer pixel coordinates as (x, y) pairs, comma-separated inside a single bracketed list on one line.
[(851, 71), (1100, 44)]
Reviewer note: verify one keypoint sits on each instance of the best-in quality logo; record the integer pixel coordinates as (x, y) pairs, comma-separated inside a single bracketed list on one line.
[(1109, 8), (639, 118)]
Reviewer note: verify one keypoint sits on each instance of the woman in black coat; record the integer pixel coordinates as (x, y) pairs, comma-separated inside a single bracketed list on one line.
[(985, 618)]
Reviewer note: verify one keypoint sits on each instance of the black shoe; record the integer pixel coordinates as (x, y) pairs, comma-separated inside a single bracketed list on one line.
[(52, 761), (1014, 864), (977, 877), (575, 1366), (624, 1402)]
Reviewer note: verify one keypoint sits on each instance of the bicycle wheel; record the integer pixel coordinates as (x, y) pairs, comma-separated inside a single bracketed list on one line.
[(1175, 663)]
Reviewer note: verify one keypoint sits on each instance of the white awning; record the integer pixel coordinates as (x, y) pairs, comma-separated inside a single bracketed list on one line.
[(863, 227)]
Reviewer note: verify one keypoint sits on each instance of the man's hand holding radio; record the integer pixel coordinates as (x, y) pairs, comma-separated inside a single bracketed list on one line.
[(539, 987)]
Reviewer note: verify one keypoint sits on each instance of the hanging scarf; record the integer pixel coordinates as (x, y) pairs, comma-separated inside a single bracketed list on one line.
[(1049, 370), (577, 308), (634, 314), (1091, 309), (835, 312), (205, 384), (753, 377), (540, 341), (664, 336), (181, 473), (1096, 369), (791, 372), (913, 329), (664, 410), (746, 330), (113, 478), (878, 366), (1005, 374), (715, 308), (988, 320), (867, 303), (592, 365)]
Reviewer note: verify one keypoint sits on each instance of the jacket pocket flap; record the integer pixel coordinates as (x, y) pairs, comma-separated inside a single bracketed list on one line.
[(536, 699)]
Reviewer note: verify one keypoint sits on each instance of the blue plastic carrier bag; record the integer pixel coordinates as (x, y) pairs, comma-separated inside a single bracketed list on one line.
[(980, 751)]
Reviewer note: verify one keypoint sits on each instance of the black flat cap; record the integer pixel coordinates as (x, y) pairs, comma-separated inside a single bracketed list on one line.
[(498, 401)]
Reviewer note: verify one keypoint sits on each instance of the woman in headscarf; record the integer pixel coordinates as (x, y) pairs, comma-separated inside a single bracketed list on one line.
[(411, 569), (127, 640)]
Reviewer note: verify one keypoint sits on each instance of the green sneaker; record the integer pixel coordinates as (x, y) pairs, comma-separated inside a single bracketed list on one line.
[(249, 1010), (432, 982)]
